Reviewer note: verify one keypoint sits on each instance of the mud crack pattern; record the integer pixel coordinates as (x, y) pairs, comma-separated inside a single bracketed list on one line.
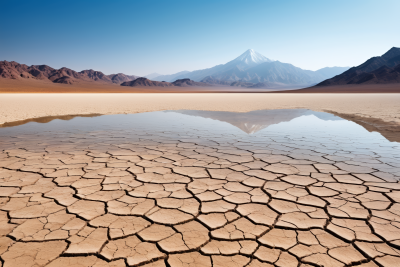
[(160, 199)]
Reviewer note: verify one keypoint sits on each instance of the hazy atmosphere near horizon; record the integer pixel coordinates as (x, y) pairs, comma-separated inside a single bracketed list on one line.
[(165, 37)]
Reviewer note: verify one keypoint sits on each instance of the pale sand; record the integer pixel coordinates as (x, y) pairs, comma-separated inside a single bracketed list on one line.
[(14, 107)]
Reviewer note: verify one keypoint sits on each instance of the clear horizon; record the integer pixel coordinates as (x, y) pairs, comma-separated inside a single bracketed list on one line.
[(140, 38)]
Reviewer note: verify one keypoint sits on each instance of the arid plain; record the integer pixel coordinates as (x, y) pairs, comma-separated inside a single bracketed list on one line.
[(156, 199), (376, 112), (182, 197)]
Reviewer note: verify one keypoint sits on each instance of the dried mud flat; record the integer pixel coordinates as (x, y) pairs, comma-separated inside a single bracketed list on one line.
[(160, 199), (16, 107)]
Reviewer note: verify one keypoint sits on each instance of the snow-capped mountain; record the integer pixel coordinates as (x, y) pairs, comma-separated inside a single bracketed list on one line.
[(248, 59), (252, 67)]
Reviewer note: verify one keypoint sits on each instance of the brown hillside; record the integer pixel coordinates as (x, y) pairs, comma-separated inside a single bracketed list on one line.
[(14, 70), (146, 82)]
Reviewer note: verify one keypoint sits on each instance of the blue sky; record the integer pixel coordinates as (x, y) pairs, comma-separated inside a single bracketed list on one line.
[(141, 37)]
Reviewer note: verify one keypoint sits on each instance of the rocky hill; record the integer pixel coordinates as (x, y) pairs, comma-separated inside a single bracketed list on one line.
[(14, 70), (168, 78), (120, 78), (189, 82), (142, 81), (377, 70)]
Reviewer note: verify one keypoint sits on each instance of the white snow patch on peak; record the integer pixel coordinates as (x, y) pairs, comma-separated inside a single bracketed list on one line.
[(251, 57)]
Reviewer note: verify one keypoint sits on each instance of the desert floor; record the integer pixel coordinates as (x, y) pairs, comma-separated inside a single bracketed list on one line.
[(189, 198), (154, 200), (376, 112)]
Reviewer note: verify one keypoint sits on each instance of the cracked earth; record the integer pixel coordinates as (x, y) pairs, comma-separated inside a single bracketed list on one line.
[(160, 199)]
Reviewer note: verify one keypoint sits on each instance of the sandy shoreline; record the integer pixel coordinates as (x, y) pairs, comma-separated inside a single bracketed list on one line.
[(374, 109), (15, 107)]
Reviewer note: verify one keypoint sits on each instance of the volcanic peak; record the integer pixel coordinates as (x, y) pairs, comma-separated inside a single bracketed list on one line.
[(251, 57)]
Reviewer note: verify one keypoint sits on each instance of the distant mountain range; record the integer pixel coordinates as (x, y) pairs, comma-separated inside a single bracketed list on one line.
[(14, 70), (152, 75), (249, 70), (142, 81), (168, 78), (252, 68), (377, 70), (145, 82)]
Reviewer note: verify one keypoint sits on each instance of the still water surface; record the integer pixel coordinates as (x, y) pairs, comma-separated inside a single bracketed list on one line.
[(301, 128)]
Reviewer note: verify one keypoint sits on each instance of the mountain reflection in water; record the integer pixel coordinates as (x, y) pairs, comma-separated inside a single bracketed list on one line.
[(254, 121), (297, 123)]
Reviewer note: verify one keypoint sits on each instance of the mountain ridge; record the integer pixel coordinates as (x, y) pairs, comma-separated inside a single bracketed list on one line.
[(152, 75), (168, 77), (376, 70), (15, 70), (252, 67), (120, 78), (143, 81)]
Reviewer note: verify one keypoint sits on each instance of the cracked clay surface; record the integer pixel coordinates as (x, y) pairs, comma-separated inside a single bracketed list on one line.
[(198, 199)]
